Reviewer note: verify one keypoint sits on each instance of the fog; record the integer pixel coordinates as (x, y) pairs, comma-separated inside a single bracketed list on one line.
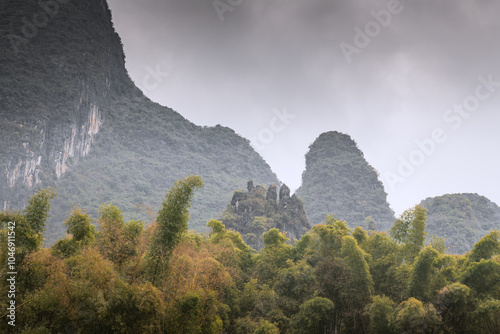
[(415, 83)]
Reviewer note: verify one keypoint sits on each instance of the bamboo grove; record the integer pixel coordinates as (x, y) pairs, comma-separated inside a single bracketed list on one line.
[(112, 276)]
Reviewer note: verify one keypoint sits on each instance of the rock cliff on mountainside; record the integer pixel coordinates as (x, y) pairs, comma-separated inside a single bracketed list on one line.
[(71, 118)]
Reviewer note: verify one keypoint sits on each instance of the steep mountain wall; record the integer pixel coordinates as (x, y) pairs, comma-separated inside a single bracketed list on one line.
[(71, 118), (339, 181)]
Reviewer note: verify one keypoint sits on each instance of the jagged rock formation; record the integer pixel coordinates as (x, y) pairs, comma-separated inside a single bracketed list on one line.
[(71, 118), (258, 210), (338, 180), (461, 219)]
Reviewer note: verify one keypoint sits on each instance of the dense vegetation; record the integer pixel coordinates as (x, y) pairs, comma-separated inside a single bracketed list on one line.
[(255, 211), (50, 82), (338, 180), (461, 219), (129, 277)]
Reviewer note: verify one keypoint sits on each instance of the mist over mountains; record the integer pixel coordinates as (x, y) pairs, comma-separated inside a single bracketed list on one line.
[(72, 119), (121, 215)]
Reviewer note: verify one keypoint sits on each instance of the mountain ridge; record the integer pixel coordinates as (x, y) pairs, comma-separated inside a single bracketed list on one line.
[(73, 119)]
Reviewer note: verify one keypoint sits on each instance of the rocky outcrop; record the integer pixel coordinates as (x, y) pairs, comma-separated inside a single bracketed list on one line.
[(79, 142), (256, 211)]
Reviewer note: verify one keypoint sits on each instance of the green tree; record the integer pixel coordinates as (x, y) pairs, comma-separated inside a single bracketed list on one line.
[(27, 229), (360, 284), (267, 328), (37, 210), (326, 239), (383, 252), (438, 243), (333, 274), (295, 285), (455, 305), (232, 240), (421, 277), (172, 219), (412, 317), (82, 233), (257, 300), (409, 230), (488, 246), (487, 317), (360, 235), (314, 317), (483, 278), (30, 224), (117, 240), (445, 268), (132, 309), (380, 312), (196, 314), (273, 256), (358, 288), (80, 226)]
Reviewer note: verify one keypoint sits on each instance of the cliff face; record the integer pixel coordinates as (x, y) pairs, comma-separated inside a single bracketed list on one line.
[(23, 166), (53, 89), (461, 219), (257, 210), (71, 118), (57, 145), (338, 180)]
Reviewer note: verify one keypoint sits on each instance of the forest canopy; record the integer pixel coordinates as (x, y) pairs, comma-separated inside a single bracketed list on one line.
[(114, 276)]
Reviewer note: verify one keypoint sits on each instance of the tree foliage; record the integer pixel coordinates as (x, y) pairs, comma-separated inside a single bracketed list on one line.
[(172, 219), (314, 317), (333, 280), (409, 231)]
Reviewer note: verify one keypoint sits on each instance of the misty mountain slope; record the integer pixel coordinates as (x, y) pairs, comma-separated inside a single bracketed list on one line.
[(339, 181), (72, 119), (462, 219)]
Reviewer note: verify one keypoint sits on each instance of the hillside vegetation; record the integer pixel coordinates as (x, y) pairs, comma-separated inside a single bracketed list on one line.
[(462, 219)]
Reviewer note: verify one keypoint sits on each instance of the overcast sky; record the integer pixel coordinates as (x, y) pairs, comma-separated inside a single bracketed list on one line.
[(281, 72)]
